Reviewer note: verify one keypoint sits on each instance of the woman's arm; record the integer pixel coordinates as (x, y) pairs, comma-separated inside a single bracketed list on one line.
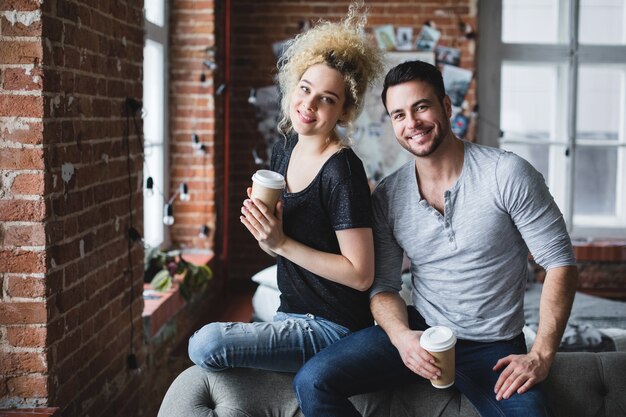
[(353, 267)]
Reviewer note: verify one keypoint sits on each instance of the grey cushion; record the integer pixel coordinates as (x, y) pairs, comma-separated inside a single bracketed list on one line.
[(579, 385)]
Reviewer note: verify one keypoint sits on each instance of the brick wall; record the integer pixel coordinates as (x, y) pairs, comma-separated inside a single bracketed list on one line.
[(92, 61), (192, 110), (23, 305), (67, 68), (256, 26)]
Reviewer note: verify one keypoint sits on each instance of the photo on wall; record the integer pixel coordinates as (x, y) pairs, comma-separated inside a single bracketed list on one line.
[(385, 37), (457, 81), (446, 55), (404, 38), (427, 38)]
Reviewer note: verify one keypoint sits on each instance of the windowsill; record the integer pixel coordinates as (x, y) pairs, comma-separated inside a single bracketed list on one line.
[(31, 412), (600, 251), (159, 307)]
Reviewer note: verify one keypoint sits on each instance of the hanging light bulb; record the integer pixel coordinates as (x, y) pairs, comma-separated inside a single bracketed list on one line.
[(252, 96), (204, 232), (211, 65), (195, 142), (184, 192), (149, 187), (168, 217)]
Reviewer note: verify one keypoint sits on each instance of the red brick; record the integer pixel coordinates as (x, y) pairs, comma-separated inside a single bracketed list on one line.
[(22, 313), (27, 336), (24, 235), (28, 184), (21, 158), (63, 253), (21, 261), (21, 106), (14, 363), (22, 132), (22, 79), (28, 386), (20, 5), (20, 52), (26, 287), (22, 210), (19, 29)]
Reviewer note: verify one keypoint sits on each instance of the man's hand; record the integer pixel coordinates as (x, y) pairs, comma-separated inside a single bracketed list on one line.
[(414, 356), (520, 373)]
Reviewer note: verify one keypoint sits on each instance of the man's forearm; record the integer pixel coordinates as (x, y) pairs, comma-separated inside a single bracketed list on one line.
[(389, 311), (555, 306)]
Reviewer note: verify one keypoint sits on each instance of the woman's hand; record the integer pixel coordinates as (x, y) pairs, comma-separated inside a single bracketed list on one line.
[(266, 227)]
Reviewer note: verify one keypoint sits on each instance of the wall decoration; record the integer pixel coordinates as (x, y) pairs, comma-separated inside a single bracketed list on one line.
[(385, 37), (279, 47), (427, 38), (446, 55), (456, 81), (404, 39)]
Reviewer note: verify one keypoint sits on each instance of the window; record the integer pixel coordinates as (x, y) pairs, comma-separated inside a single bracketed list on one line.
[(155, 125), (552, 88)]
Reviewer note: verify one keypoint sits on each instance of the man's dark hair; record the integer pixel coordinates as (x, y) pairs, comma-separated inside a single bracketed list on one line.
[(414, 70)]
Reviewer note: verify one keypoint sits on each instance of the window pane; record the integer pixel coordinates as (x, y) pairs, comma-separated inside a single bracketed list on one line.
[(603, 22), (530, 21), (155, 11), (528, 101), (600, 102), (153, 76), (537, 155), (595, 181)]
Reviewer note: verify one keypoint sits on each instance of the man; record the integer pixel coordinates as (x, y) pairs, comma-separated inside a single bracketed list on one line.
[(466, 216)]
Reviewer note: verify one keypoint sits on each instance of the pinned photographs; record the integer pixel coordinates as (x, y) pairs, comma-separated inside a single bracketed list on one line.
[(427, 38)]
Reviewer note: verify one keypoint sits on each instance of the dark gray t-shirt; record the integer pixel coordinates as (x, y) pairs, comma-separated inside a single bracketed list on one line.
[(469, 264), (337, 199)]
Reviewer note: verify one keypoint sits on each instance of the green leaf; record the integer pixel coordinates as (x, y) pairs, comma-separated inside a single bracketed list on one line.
[(162, 281), (206, 272)]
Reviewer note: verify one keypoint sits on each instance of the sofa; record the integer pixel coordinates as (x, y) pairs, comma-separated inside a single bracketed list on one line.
[(580, 384)]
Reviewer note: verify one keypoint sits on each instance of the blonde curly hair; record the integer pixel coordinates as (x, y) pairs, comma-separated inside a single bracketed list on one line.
[(343, 47)]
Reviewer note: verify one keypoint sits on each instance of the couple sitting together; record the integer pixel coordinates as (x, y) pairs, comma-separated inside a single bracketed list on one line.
[(465, 215)]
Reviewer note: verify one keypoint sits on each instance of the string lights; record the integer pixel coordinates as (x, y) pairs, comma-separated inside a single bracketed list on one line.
[(199, 149), (168, 214)]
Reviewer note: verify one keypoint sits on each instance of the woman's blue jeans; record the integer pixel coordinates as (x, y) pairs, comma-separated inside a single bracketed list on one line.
[(366, 361), (284, 344)]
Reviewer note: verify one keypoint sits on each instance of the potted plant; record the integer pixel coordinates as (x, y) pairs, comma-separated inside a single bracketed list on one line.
[(161, 267)]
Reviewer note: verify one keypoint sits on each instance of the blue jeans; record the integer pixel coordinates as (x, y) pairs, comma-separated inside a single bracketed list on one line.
[(284, 344), (366, 361)]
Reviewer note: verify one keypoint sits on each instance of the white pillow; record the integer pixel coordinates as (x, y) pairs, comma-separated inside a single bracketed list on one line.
[(266, 277), (265, 302)]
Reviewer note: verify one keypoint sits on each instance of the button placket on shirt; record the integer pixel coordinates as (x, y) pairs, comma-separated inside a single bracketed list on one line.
[(447, 225)]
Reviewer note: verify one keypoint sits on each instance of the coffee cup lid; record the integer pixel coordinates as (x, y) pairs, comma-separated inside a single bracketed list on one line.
[(269, 179), (438, 339)]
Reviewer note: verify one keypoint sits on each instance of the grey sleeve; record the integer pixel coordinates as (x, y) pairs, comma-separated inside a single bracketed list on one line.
[(525, 196), (388, 254)]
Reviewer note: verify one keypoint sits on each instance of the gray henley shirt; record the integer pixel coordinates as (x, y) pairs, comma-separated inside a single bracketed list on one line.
[(469, 265)]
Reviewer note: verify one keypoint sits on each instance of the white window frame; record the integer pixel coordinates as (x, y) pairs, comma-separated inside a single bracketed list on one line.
[(492, 53), (156, 125)]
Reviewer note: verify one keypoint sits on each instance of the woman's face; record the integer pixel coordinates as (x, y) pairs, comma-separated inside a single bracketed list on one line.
[(317, 103)]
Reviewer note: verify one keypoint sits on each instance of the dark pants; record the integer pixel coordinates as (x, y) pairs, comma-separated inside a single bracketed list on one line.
[(366, 361)]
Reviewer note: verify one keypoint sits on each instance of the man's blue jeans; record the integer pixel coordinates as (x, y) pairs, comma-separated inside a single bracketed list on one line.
[(284, 344), (366, 361)]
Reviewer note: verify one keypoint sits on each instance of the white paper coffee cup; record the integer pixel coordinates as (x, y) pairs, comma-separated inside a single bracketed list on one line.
[(439, 341), (267, 186)]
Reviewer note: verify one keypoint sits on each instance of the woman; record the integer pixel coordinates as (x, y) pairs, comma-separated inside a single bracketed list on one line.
[(321, 231)]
